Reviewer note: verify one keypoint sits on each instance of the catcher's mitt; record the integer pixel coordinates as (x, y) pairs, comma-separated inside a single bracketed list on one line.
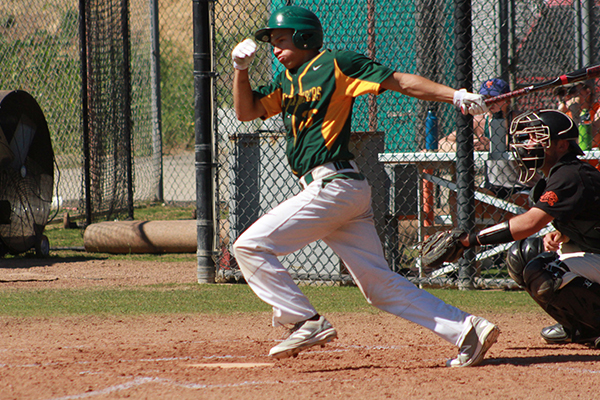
[(442, 247)]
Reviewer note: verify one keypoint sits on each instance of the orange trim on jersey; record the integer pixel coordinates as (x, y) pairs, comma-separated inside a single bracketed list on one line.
[(341, 103), (294, 113), (291, 79), (272, 103), (303, 73)]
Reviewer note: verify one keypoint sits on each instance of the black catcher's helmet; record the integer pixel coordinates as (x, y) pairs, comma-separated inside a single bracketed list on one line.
[(533, 132)]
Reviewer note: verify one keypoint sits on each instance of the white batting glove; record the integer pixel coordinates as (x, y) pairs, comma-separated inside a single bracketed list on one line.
[(243, 54), (469, 103)]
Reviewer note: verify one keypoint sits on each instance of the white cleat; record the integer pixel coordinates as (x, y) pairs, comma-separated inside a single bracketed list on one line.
[(480, 338), (305, 334)]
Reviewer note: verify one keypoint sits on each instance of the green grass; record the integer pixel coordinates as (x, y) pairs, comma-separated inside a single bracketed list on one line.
[(160, 212), (195, 298), (223, 299), (177, 97), (64, 242), (60, 237)]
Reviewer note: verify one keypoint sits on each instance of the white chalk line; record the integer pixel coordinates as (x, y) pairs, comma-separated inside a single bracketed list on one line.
[(569, 369), (196, 386), (111, 389), (145, 380)]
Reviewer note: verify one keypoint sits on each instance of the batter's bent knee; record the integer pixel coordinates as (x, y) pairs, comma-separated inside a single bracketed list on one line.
[(243, 249)]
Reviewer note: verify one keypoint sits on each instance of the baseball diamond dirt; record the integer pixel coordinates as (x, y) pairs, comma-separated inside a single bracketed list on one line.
[(377, 356)]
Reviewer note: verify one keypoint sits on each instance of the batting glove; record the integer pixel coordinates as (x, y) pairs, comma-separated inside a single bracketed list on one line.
[(243, 54), (469, 103)]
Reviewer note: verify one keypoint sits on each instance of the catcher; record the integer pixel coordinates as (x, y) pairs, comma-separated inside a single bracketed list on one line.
[(560, 271)]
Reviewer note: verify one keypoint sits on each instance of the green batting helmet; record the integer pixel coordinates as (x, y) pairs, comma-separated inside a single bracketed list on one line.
[(308, 32)]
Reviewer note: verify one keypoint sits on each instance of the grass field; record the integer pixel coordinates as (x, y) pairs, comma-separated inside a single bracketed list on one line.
[(222, 299), (195, 298)]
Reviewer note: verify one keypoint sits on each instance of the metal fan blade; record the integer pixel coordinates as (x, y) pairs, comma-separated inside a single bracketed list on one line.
[(22, 139), (6, 154)]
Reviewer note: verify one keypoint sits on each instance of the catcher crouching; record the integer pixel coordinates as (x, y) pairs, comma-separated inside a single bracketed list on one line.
[(560, 271)]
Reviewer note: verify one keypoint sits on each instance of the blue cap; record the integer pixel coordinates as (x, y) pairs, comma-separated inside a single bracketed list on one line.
[(494, 87)]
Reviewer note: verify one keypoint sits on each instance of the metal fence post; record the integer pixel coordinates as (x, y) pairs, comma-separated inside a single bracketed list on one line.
[(157, 163), (203, 128), (85, 109), (465, 170), (127, 103)]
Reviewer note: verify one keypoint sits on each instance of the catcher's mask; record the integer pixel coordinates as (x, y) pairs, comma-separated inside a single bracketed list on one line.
[(308, 32), (533, 132)]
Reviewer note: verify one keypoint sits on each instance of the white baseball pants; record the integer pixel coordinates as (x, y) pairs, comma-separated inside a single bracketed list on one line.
[(582, 264), (340, 214)]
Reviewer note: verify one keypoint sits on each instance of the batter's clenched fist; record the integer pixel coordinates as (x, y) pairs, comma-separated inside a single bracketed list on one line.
[(469, 103), (243, 54)]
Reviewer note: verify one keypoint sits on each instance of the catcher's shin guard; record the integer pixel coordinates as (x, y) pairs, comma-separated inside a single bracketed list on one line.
[(542, 276), (575, 305)]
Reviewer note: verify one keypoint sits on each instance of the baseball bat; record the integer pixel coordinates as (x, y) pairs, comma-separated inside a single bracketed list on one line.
[(575, 76)]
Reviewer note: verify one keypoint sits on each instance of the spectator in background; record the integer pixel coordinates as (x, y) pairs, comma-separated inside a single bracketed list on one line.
[(501, 177), (578, 103), (481, 123), (564, 94)]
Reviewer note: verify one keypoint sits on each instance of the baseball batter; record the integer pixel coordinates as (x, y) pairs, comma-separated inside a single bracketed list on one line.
[(315, 95)]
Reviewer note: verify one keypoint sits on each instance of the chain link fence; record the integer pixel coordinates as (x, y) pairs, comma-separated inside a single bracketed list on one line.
[(39, 53), (405, 147)]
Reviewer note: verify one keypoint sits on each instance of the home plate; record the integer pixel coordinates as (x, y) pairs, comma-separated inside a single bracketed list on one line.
[(232, 365)]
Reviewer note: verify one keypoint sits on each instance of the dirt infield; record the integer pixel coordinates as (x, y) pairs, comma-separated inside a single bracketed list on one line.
[(215, 357)]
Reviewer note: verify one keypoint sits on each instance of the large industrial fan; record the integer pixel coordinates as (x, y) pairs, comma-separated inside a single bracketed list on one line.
[(26, 174)]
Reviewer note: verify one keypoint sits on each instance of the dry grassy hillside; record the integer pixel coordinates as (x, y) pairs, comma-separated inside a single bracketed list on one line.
[(230, 17)]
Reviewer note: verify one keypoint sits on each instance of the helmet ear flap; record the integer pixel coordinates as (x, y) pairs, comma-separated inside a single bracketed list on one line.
[(307, 39), (301, 39)]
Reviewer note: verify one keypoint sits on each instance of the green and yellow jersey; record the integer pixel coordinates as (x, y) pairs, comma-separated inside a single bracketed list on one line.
[(316, 105)]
